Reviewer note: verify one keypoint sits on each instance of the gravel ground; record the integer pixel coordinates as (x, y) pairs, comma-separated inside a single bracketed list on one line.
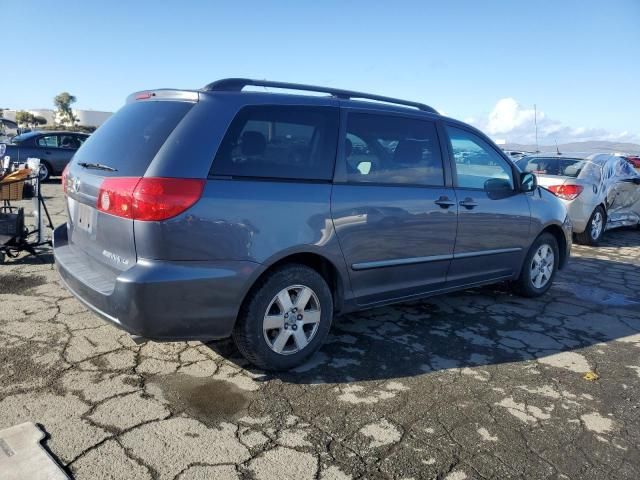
[(479, 384)]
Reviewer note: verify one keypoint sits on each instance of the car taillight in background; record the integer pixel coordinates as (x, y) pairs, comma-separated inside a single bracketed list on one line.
[(566, 192), (148, 199), (65, 176)]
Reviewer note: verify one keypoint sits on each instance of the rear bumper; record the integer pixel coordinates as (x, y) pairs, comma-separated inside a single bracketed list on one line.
[(579, 212), (162, 300), (567, 228)]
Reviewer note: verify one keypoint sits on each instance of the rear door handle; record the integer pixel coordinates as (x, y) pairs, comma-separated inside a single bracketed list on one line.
[(468, 203), (444, 202)]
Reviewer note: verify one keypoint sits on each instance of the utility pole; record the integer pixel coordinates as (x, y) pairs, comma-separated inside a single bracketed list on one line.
[(535, 120)]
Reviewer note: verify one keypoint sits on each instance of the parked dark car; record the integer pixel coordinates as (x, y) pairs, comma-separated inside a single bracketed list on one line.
[(54, 149), (221, 212)]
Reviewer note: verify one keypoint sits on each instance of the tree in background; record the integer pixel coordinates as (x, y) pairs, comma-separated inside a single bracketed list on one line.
[(63, 102), (29, 119)]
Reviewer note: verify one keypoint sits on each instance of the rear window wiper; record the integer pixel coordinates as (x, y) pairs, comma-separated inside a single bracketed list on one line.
[(97, 166)]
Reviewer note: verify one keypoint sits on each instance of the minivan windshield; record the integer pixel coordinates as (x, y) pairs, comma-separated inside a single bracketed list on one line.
[(130, 139), (565, 167)]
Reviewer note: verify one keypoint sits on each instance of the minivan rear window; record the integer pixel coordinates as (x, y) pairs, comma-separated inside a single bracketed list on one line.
[(288, 142), (130, 139)]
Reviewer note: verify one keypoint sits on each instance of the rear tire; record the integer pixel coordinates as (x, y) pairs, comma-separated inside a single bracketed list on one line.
[(285, 318), (594, 230), (539, 268)]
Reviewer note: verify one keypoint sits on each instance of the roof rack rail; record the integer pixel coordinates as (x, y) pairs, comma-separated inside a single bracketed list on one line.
[(237, 84)]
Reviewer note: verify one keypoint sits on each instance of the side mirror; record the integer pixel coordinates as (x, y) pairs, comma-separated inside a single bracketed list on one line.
[(528, 182), (498, 186)]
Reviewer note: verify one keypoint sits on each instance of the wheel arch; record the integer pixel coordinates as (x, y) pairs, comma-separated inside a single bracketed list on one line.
[(49, 167), (318, 262), (604, 209), (561, 240)]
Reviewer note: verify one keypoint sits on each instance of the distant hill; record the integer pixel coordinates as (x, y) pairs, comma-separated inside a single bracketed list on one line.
[(582, 147)]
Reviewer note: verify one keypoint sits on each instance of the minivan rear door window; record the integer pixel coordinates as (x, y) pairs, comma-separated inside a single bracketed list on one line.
[(388, 149), (288, 142)]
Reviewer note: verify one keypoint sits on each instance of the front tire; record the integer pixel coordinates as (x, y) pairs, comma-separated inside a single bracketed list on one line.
[(594, 230), (285, 318), (539, 268)]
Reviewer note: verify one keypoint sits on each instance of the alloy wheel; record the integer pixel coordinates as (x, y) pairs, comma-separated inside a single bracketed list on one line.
[(43, 172), (542, 265), (596, 225), (292, 319)]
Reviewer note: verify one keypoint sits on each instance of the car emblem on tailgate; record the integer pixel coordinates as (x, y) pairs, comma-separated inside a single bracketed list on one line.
[(73, 184)]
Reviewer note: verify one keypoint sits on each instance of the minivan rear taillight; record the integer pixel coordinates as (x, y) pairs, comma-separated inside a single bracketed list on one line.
[(65, 176), (148, 199), (566, 192)]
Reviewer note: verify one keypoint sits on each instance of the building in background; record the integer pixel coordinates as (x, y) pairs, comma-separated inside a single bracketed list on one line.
[(85, 118)]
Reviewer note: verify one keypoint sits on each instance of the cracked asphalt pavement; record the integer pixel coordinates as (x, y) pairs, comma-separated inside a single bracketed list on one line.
[(478, 384)]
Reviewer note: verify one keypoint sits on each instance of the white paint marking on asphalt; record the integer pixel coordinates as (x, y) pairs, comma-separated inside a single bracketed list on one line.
[(526, 413), (456, 475), (597, 423), (350, 394), (635, 338), (396, 386), (571, 361), (382, 432), (486, 436)]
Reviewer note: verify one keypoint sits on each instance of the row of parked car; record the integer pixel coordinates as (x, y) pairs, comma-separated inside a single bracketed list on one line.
[(200, 214), (600, 191)]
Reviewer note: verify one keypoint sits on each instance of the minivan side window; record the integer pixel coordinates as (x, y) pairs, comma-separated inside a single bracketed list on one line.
[(389, 149), (289, 142), (475, 160)]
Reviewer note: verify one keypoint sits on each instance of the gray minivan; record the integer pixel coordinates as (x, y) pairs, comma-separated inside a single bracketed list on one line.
[(202, 214)]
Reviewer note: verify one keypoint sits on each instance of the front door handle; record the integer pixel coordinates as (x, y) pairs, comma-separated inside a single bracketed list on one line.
[(468, 203), (444, 202)]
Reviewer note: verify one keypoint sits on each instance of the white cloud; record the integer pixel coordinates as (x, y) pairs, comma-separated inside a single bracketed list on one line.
[(514, 122)]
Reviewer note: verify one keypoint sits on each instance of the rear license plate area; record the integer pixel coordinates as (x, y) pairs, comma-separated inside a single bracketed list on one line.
[(83, 216)]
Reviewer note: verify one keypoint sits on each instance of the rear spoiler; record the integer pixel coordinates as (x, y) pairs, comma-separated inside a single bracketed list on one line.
[(164, 94)]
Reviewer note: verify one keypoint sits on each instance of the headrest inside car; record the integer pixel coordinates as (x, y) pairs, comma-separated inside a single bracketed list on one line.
[(408, 152), (253, 143)]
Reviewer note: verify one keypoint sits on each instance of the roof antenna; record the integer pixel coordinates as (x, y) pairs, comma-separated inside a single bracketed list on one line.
[(535, 119), (557, 149)]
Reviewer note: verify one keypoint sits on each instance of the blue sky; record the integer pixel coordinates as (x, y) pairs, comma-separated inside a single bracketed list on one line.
[(488, 62)]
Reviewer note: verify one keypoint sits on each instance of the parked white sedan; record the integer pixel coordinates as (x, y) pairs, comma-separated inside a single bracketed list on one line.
[(600, 191)]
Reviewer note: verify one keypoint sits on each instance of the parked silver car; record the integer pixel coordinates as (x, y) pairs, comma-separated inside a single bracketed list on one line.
[(600, 191)]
